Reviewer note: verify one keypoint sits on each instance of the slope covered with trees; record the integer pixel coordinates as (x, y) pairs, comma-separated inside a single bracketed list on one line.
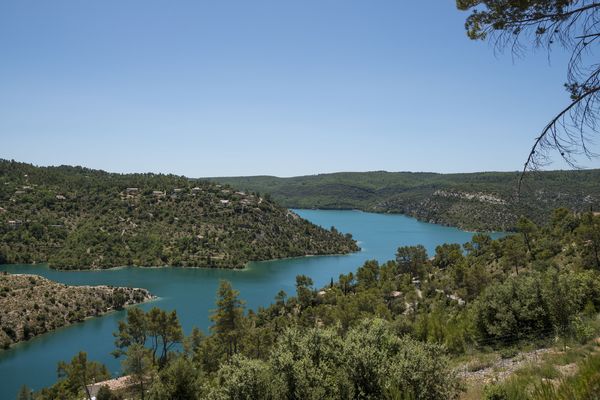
[(398, 330), (32, 305), (477, 201), (73, 217)]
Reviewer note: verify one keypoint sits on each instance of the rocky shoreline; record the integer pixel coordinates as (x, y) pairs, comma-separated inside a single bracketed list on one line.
[(32, 305)]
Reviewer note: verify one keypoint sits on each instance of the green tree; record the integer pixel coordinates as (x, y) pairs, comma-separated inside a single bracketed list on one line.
[(227, 318), (79, 373), (138, 365), (104, 393), (411, 259), (180, 380), (246, 379), (169, 331), (131, 331), (588, 234), (304, 290), (346, 282), (24, 393), (368, 275), (447, 255), (514, 254), (527, 229)]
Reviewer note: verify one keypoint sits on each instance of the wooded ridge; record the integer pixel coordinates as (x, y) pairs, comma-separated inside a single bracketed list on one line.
[(79, 218), (482, 201)]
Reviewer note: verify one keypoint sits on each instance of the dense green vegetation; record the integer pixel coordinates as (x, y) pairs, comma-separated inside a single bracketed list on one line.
[(390, 331), (32, 305), (78, 218), (478, 201)]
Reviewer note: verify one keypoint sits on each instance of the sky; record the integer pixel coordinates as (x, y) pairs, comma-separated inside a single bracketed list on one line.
[(226, 88)]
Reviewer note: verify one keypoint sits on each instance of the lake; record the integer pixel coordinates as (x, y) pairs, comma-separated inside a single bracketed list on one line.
[(192, 291)]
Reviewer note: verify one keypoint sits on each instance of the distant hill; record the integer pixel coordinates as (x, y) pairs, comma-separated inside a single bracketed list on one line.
[(78, 218), (474, 201)]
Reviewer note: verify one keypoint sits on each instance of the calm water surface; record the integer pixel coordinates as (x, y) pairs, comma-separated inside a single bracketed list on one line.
[(192, 291)]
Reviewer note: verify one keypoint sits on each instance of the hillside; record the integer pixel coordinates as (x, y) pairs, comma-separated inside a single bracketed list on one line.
[(78, 218), (32, 305), (474, 201), (513, 318)]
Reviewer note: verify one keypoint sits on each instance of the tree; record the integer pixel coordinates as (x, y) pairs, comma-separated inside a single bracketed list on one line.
[(245, 379), (179, 380), (227, 317), (411, 259), (138, 365), (162, 328), (166, 326), (24, 393), (79, 373), (588, 234), (572, 24), (133, 330), (280, 299), (304, 290), (192, 343), (346, 282), (514, 254), (104, 393), (368, 275), (447, 255), (526, 228)]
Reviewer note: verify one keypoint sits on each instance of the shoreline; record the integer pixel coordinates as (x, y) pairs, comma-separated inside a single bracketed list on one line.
[(98, 290), (120, 267), (86, 319)]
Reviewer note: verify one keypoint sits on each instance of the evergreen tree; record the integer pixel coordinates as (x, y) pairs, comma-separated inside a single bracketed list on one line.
[(138, 365), (24, 393), (227, 317)]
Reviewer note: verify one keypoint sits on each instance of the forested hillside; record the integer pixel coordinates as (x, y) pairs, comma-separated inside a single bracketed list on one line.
[(32, 305), (77, 218), (411, 328), (478, 201)]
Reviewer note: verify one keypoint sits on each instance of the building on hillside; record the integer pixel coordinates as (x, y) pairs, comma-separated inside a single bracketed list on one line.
[(14, 223), (117, 384)]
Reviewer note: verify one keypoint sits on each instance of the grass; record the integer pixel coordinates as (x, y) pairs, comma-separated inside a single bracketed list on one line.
[(543, 379)]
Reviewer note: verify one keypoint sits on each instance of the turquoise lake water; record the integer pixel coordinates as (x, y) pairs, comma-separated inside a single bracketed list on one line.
[(192, 291)]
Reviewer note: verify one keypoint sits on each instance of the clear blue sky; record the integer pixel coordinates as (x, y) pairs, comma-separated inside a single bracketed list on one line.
[(213, 88)]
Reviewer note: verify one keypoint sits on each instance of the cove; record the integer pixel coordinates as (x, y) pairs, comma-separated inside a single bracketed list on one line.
[(192, 291)]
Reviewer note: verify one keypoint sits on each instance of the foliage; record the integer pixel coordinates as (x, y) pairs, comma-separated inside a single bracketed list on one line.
[(483, 201), (32, 305), (74, 378), (78, 218), (158, 329), (379, 333)]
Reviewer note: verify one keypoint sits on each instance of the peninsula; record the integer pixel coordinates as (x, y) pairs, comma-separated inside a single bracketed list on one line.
[(79, 218)]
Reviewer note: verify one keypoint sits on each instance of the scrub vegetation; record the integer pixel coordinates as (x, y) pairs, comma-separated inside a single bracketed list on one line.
[(32, 305), (411, 328)]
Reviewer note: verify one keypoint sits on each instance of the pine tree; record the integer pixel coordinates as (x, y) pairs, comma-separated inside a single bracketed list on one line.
[(227, 317), (24, 393)]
